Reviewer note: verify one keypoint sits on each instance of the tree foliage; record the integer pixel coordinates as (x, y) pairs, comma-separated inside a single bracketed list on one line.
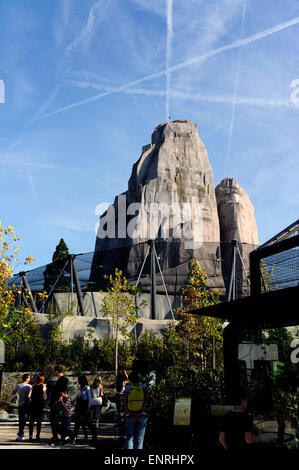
[(54, 270), (8, 259), (120, 305), (197, 339)]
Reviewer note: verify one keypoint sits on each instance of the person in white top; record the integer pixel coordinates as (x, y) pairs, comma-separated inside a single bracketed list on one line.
[(23, 390), (97, 393)]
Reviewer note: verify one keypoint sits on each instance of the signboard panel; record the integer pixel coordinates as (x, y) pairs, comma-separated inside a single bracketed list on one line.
[(182, 412)]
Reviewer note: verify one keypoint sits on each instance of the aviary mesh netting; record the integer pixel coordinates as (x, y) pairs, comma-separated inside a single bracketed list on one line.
[(175, 262), (280, 270)]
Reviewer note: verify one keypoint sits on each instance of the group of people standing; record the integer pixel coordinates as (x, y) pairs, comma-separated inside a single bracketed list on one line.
[(86, 414), (131, 400)]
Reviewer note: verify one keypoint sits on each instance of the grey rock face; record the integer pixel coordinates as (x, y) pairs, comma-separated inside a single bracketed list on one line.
[(236, 213), (237, 222), (173, 170)]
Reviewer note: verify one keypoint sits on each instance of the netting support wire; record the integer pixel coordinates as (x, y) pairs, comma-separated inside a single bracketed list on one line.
[(153, 281), (49, 295), (230, 294), (244, 267), (27, 286), (70, 306), (141, 270), (161, 274), (94, 304), (77, 285)]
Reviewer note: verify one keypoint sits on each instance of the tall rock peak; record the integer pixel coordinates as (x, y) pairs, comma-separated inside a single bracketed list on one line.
[(174, 170), (236, 213)]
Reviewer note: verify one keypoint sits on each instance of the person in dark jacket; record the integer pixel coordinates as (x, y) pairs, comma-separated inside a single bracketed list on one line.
[(37, 396), (60, 386), (237, 431), (82, 411)]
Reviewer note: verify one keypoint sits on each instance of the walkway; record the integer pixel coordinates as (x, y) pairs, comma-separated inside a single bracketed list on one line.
[(107, 438)]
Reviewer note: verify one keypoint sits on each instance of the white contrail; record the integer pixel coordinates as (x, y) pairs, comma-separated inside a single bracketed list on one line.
[(169, 4), (45, 105), (232, 122), (201, 58), (101, 95), (31, 184), (217, 99), (82, 40)]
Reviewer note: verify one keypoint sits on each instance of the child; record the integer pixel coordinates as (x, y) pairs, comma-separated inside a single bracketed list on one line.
[(64, 404)]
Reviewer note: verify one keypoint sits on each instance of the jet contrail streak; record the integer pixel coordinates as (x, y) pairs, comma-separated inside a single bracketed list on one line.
[(169, 6), (200, 58), (232, 122)]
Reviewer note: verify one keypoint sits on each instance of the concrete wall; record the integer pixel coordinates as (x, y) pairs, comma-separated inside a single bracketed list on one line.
[(93, 301), (73, 326)]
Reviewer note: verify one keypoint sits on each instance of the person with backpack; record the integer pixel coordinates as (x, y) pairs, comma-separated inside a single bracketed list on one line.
[(135, 401)]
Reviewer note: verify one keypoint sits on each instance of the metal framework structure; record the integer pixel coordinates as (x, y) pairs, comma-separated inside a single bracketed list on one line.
[(264, 309), (226, 271)]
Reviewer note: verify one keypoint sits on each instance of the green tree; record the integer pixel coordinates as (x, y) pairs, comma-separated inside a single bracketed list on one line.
[(61, 252), (119, 303), (53, 270), (267, 278), (200, 336)]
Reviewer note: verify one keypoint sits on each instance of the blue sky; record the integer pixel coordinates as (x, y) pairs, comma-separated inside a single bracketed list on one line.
[(87, 81)]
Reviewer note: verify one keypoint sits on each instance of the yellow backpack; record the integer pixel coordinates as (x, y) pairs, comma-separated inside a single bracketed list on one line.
[(135, 398)]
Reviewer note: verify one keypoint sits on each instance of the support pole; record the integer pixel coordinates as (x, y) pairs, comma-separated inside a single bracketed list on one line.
[(165, 288), (77, 285), (230, 295), (153, 281), (26, 285), (94, 304), (233, 335), (255, 274)]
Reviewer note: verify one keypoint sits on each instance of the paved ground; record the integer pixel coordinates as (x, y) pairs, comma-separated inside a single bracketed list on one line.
[(107, 438)]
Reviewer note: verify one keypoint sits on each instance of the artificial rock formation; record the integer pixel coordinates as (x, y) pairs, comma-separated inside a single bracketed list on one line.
[(237, 222), (236, 213), (173, 170)]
